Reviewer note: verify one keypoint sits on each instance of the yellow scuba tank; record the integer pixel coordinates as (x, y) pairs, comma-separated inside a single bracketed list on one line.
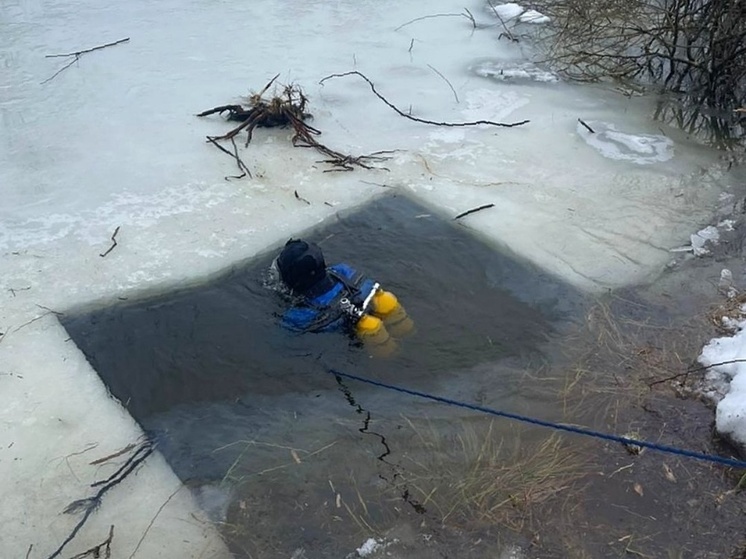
[(372, 332), (386, 306)]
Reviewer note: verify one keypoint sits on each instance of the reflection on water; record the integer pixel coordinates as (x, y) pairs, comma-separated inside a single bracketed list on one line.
[(235, 400)]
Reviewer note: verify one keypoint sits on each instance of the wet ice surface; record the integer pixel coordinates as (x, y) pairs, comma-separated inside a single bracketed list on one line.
[(112, 142), (642, 149)]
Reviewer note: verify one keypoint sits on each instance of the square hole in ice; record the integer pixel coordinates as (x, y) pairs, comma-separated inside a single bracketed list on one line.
[(209, 365)]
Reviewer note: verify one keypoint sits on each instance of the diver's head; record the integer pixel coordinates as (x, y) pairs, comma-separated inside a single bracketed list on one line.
[(302, 267)]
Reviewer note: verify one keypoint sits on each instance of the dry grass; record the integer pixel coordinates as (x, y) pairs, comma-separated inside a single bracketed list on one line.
[(293, 457), (722, 315), (615, 360), (479, 473), (476, 477)]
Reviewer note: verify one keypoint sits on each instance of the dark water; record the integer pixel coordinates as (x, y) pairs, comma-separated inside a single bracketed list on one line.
[(209, 368)]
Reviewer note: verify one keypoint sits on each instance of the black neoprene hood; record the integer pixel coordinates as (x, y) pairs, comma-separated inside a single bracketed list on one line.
[(301, 265)]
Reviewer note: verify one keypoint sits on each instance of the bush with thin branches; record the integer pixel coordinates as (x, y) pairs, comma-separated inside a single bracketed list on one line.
[(692, 52)]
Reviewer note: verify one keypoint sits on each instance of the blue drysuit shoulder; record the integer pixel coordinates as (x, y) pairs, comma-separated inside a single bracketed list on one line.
[(299, 319), (302, 318), (350, 273)]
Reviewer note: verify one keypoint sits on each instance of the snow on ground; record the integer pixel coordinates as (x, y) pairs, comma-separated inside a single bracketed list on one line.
[(512, 12), (725, 381), (112, 143)]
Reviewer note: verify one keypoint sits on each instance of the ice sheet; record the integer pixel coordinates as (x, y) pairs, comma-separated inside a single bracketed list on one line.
[(112, 142)]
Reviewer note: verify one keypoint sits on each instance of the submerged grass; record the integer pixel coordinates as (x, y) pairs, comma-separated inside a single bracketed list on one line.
[(476, 476), (474, 473), (619, 360)]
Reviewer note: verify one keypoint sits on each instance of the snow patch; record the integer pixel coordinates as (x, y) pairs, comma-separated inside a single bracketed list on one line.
[(725, 382), (704, 239), (642, 149), (532, 16), (511, 11), (525, 71), (507, 11), (370, 546)]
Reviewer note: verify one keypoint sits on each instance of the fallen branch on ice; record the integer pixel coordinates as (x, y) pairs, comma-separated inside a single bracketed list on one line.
[(466, 13), (474, 210), (76, 56), (113, 240), (95, 551), (421, 120), (90, 504)]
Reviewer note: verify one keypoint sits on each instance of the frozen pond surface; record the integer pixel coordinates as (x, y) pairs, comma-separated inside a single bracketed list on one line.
[(112, 142)]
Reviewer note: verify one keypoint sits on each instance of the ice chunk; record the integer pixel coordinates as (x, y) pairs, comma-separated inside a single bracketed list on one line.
[(521, 71), (726, 382), (368, 547), (642, 149), (509, 10), (532, 16), (512, 11)]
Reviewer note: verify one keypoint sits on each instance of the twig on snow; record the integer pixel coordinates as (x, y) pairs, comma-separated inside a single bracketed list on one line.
[(55, 313), (85, 51), (414, 118), (691, 370), (507, 33), (108, 457), (445, 80), (76, 56), (467, 15), (152, 520), (113, 240), (234, 155), (13, 291), (474, 210), (90, 504), (241, 165), (299, 197), (95, 551), (591, 130)]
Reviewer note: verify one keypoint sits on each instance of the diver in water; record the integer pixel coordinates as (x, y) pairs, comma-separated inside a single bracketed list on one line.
[(338, 298)]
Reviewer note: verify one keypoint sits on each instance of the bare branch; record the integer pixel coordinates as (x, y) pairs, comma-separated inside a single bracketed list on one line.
[(474, 210), (455, 95), (423, 121), (469, 16), (76, 56), (114, 243), (85, 51)]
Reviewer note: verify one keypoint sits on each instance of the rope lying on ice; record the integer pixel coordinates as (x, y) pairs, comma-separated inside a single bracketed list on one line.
[(551, 424)]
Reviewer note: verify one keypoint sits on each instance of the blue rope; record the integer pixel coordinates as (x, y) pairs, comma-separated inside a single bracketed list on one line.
[(559, 426)]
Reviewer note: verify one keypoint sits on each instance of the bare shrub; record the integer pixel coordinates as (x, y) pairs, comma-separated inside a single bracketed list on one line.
[(692, 52)]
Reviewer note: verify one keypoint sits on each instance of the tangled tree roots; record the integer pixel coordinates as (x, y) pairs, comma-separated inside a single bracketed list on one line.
[(286, 109)]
